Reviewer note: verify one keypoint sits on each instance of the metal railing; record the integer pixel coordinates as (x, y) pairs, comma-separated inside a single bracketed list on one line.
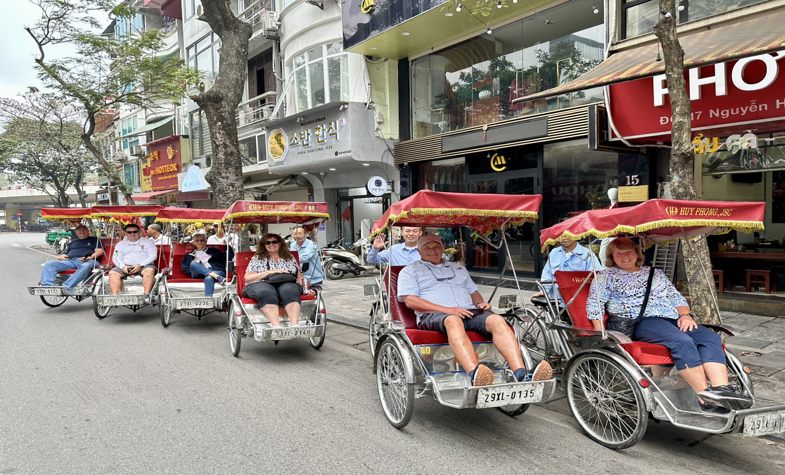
[(256, 109)]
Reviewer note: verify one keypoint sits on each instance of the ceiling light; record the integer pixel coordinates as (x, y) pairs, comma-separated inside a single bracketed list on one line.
[(489, 31), (366, 164), (595, 10), (680, 8), (304, 173), (514, 1), (332, 169), (498, 3), (405, 33), (448, 14), (458, 7), (374, 48)]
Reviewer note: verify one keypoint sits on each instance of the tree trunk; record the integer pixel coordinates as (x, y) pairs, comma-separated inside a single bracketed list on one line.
[(697, 263), (220, 102)]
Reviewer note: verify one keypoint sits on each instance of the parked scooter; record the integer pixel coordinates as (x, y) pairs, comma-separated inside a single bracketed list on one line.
[(339, 261)]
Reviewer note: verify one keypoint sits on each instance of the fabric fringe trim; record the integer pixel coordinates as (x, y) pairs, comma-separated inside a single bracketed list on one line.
[(515, 217)]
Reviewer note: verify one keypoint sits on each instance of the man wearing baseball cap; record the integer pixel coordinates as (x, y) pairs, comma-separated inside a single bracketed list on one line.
[(445, 299), (80, 254), (133, 256)]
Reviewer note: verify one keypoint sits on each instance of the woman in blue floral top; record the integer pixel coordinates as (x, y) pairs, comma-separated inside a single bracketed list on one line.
[(272, 258), (696, 351)]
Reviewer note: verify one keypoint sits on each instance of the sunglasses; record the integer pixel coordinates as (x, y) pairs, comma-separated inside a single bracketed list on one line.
[(268, 243), (132, 232)]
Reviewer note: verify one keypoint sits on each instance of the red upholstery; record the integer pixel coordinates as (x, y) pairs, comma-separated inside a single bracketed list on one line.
[(241, 264), (402, 313), (569, 283), (180, 251)]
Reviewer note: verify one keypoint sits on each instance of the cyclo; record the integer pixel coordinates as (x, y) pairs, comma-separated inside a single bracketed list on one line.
[(54, 296), (412, 363), (613, 384), (132, 294), (245, 318), (178, 292)]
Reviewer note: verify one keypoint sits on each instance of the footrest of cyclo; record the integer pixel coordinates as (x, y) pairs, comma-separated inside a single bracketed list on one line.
[(452, 386)]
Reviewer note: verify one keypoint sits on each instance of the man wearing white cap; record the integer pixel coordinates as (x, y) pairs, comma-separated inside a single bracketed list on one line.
[(445, 299)]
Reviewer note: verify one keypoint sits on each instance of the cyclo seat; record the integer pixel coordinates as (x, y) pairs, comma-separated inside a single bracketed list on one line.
[(404, 314), (539, 300), (242, 259), (569, 284)]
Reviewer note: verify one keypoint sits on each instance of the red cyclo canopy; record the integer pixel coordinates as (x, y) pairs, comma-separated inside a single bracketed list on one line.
[(661, 218), (271, 212), (189, 215), (66, 214), (483, 212), (123, 211)]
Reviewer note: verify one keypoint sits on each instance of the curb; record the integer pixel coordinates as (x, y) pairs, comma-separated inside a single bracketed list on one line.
[(331, 317)]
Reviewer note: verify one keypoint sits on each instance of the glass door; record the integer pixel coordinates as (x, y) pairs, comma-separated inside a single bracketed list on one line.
[(523, 241)]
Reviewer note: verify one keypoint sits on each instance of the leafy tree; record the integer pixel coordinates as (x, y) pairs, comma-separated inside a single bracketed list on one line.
[(106, 72), (220, 102), (42, 147), (697, 263)]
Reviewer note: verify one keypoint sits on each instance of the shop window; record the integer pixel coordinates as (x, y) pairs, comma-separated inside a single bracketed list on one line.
[(640, 16), (476, 82), (320, 75), (248, 151), (442, 175), (575, 178)]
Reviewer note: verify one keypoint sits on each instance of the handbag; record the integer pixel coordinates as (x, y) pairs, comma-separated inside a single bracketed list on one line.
[(627, 325), (282, 278)]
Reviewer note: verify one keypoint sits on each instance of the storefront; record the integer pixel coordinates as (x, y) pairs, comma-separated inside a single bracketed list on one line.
[(333, 148), (163, 173)]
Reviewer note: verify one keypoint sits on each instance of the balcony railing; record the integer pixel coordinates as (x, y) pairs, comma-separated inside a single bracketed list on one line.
[(256, 109)]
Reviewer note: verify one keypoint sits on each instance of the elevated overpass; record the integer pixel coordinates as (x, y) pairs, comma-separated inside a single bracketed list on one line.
[(20, 198)]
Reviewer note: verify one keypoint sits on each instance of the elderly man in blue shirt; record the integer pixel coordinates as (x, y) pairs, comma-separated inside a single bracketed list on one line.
[(401, 254), (568, 256), (308, 253), (445, 299), (80, 255)]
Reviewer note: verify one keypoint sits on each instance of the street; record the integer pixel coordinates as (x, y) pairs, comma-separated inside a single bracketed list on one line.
[(124, 395)]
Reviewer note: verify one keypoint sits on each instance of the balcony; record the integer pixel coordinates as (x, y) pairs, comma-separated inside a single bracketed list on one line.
[(262, 17), (256, 109)]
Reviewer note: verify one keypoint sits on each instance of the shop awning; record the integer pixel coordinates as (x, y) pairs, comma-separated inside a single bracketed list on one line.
[(148, 127), (151, 195), (754, 34)]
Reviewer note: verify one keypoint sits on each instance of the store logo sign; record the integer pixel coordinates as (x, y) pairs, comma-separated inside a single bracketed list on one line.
[(377, 186), (672, 210), (367, 6), (277, 145), (498, 162)]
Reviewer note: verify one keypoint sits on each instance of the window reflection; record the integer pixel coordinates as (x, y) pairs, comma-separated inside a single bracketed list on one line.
[(477, 81)]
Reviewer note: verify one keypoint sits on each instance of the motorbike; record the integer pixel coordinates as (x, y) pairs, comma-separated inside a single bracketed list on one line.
[(339, 261)]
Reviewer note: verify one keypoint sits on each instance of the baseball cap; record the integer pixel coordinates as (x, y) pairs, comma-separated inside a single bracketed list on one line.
[(81, 225), (426, 238)]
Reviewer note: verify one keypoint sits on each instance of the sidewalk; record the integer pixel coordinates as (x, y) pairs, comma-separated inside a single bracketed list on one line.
[(759, 340)]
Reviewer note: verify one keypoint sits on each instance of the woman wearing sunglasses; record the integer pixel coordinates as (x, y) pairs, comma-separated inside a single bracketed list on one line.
[(273, 279)]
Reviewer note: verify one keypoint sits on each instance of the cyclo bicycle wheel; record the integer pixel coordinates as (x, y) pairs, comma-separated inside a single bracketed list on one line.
[(319, 318), (53, 300), (392, 373)]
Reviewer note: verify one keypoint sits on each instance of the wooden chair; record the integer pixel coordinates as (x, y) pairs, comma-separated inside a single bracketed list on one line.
[(719, 280), (758, 278)]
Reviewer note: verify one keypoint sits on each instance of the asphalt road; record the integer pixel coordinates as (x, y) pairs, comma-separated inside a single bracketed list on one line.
[(124, 395)]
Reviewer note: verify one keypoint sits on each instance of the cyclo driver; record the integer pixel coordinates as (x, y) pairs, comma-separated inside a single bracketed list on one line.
[(445, 299)]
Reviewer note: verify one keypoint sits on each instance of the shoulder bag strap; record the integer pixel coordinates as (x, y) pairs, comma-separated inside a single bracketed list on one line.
[(648, 293)]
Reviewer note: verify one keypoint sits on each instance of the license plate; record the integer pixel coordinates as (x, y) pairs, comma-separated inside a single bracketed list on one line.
[(764, 424), (497, 396), (193, 303), (46, 291), (287, 333), (114, 301)]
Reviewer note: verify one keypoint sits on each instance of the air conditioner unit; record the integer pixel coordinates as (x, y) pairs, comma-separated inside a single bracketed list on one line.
[(136, 150), (270, 24), (200, 12)]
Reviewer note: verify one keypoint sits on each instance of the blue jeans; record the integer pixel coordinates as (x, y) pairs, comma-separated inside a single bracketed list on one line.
[(688, 349), (201, 270), (83, 269)]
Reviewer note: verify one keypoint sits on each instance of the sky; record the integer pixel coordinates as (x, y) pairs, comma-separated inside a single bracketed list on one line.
[(17, 49)]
